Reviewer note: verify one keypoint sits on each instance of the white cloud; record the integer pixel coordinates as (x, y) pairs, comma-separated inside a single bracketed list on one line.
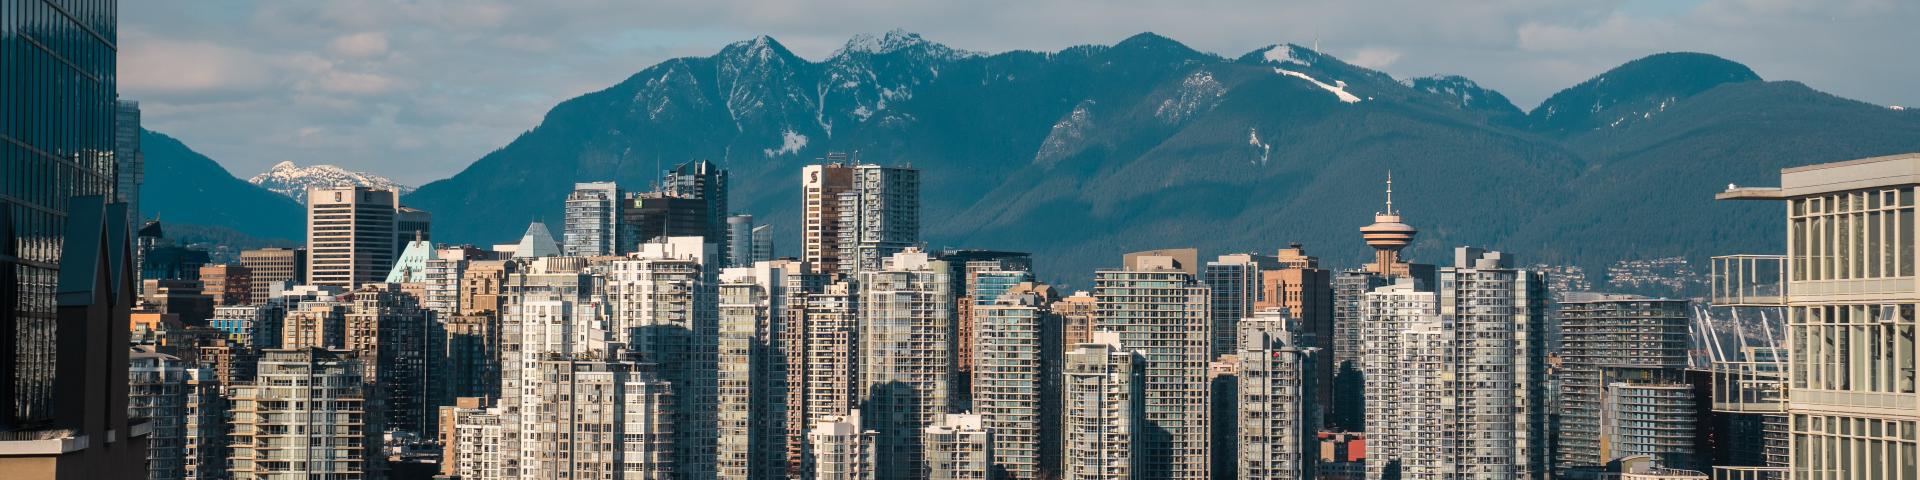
[(359, 45), (158, 66), (1374, 57)]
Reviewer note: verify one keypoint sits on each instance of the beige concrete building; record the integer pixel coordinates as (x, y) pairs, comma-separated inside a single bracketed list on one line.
[(351, 235), (274, 270), (327, 433), (1158, 307)]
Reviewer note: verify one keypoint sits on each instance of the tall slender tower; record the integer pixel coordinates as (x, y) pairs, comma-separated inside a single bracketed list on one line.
[(1387, 235), (821, 186), (906, 357), (1158, 307)]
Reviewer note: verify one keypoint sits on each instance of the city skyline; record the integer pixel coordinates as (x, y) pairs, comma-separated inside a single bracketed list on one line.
[(1126, 262)]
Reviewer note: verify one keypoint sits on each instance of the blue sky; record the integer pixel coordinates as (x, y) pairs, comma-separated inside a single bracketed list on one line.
[(418, 89)]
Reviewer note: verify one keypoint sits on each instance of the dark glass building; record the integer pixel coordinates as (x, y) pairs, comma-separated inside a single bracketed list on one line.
[(58, 110)]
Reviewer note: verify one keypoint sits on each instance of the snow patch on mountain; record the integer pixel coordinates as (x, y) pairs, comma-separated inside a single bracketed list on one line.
[(790, 143), (1253, 139), (1066, 136), (1339, 88), (1198, 93), (1289, 53), (292, 180)]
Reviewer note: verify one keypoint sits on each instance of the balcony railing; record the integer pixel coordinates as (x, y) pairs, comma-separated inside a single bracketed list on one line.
[(1749, 473), (1749, 387), (1749, 281)]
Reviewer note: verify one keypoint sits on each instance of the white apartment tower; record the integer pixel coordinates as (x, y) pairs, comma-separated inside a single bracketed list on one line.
[(1103, 410), (958, 449), (660, 302), (840, 448), (1275, 424), (906, 359), (592, 219), (1484, 363), (328, 433), (1159, 308), (599, 418), (1388, 311)]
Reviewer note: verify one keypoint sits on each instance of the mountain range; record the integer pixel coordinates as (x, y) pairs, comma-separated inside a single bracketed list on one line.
[(1091, 151), (292, 180)]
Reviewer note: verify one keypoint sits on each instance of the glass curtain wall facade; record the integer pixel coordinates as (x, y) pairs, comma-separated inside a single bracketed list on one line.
[(58, 108)]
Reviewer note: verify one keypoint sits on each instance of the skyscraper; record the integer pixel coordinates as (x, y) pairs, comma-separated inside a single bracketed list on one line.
[(129, 161), (830, 374), (821, 186), (1275, 424), (593, 219), (762, 243), (660, 303), (652, 216), (1845, 285), (702, 180), (351, 235), (1466, 392), (1235, 281), (57, 147), (599, 418), (1159, 308), (227, 284), (879, 216), (1348, 410), (1016, 380), (1617, 341), (158, 389), (390, 336), (329, 434), (1298, 284), (549, 312), (1104, 410), (906, 357), (752, 379), (274, 270), (1389, 311), (978, 278), (740, 241)]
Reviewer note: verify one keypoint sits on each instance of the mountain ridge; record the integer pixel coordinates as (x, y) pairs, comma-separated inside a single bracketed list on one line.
[(1081, 154)]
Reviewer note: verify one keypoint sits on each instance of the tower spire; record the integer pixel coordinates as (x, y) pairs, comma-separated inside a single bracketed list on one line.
[(1390, 192)]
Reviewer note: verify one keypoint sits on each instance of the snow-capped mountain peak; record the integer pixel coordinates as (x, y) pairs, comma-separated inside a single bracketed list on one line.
[(897, 40), (1290, 53), (287, 178)]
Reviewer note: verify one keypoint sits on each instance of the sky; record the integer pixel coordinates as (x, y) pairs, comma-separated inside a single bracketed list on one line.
[(416, 90)]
